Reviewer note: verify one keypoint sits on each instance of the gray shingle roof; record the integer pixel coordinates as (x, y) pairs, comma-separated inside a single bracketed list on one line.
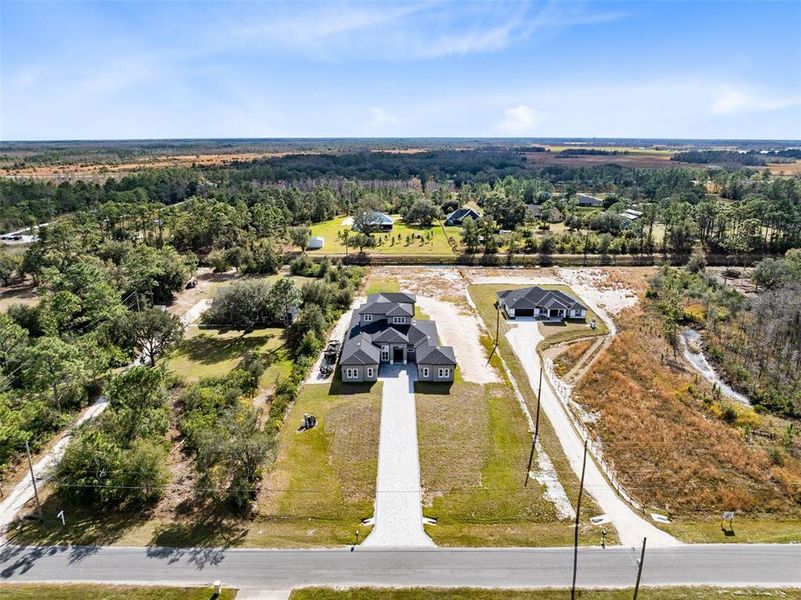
[(460, 214), (537, 297), (390, 335), (359, 350), (436, 355)]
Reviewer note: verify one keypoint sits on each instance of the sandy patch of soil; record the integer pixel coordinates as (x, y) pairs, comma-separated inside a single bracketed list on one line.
[(462, 330), (442, 295)]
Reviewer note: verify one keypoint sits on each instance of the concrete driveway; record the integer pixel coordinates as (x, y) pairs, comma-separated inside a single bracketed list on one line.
[(398, 503)]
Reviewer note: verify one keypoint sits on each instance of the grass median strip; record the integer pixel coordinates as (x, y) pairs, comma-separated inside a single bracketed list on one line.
[(66, 591)]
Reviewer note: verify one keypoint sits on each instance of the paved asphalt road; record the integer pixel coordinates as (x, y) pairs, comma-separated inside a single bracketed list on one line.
[(753, 565)]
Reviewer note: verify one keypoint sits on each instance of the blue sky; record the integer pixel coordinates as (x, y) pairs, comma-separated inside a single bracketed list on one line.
[(137, 69)]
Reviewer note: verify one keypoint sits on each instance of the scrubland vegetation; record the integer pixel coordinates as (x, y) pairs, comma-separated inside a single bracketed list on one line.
[(677, 443)]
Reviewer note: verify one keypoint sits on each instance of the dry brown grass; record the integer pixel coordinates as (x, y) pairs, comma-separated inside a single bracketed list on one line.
[(668, 446), (102, 170), (790, 169), (571, 354)]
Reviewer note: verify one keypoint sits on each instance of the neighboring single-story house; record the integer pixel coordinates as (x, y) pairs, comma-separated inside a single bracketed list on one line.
[(316, 243), (535, 212), (631, 214), (458, 216), (383, 330), (588, 201), (549, 305), (378, 221)]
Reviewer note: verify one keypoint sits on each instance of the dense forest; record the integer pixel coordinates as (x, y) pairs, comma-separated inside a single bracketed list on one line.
[(99, 276), (733, 213), (755, 342)]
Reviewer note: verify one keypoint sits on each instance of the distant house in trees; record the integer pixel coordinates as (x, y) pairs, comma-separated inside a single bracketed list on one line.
[(537, 302), (384, 331), (458, 216), (588, 201), (536, 212), (378, 221)]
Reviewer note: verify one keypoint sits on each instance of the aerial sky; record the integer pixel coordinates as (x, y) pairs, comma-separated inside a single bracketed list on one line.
[(180, 69)]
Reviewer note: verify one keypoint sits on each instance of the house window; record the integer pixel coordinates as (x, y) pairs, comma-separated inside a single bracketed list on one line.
[(425, 371), (369, 371), (398, 320), (368, 318), (444, 373), (351, 373), (384, 353)]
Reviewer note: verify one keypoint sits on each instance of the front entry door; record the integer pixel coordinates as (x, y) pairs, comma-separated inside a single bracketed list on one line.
[(397, 354)]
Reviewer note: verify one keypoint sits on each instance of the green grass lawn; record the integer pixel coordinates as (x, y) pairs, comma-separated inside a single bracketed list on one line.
[(678, 593), (388, 243), (474, 448), (745, 530), (379, 285), (323, 481), (67, 591), (484, 298), (215, 352)]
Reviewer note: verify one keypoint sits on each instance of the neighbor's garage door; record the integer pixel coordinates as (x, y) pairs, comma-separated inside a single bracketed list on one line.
[(524, 312)]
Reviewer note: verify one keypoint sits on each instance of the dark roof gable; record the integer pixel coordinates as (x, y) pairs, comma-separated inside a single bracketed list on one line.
[(537, 297)]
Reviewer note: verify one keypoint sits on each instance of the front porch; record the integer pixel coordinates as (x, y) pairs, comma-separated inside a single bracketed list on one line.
[(394, 354)]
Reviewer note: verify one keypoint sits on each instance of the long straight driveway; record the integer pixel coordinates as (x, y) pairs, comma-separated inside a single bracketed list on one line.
[(398, 508)]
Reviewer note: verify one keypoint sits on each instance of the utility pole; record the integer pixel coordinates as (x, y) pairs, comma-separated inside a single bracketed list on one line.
[(576, 531), (497, 322), (539, 387), (33, 481), (639, 569)]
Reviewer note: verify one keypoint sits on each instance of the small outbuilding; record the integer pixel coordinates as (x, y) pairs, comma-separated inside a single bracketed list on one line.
[(631, 214), (315, 243)]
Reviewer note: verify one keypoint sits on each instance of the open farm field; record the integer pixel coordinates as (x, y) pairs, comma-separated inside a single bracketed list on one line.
[(100, 169)]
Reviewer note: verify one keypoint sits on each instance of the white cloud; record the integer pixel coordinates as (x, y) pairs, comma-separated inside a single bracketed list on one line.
[(734, 101), (423, 30), (521, 120)]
